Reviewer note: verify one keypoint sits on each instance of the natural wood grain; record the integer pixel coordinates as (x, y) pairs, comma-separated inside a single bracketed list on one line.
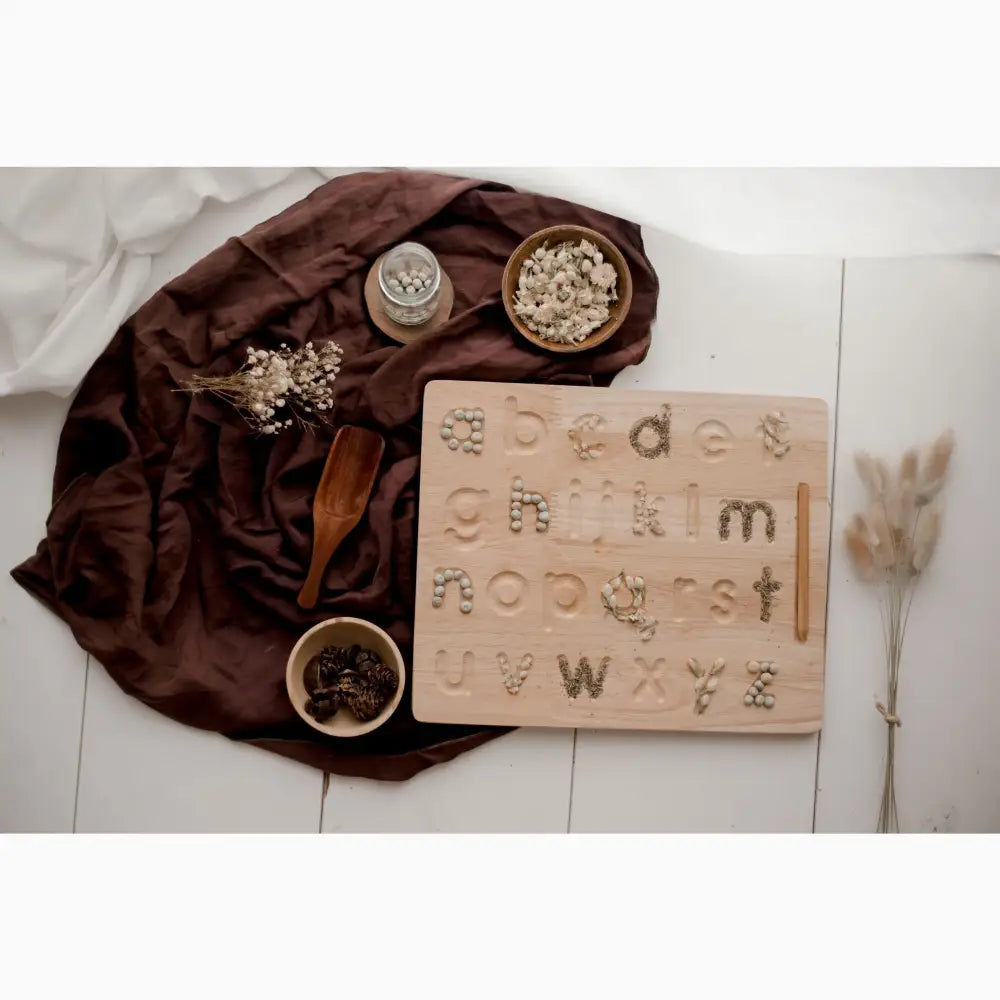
[(553, 236), (541, 593), (341, 498), (802, 564)]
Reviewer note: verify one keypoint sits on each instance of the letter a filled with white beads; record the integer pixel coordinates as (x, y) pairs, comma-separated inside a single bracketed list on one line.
[(473, 441)]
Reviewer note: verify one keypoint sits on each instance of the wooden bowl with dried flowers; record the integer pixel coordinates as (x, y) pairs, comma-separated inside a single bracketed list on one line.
[(567, 304), (345, 677)]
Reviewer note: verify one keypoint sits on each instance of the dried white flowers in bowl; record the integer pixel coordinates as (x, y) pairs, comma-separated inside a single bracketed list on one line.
[(567, 288), (275, 389)]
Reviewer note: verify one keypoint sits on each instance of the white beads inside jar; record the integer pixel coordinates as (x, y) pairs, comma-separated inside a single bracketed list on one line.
[(409, 284)]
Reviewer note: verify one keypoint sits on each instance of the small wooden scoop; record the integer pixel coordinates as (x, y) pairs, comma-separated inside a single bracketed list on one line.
[(341, 498)]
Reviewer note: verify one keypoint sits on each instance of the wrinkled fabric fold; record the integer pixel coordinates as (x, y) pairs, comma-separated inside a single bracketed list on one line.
[(77, 247), (178, 539)]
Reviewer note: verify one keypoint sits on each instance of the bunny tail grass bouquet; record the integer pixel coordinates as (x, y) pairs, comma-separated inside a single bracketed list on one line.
[(890, 545)]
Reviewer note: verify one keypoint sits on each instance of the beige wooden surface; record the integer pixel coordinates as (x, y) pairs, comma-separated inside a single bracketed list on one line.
[(540, 593)]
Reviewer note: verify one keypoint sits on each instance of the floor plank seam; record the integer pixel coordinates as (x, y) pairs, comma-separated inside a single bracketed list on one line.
[(833, 488), (324, 789), (572, 774), (79, 752)]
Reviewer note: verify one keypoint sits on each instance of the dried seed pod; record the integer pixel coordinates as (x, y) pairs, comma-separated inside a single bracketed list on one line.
[(364, 660), (366, 703), (383, 678), (352, 677), (332, 660), (310, 676), (859, 548), (925, 538), (884, 548), (324, 705), (348, 681), (935, 469), (871, 474)]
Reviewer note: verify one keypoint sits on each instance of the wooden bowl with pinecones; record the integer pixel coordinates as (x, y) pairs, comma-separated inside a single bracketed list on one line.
[(547, 335), (345, 677)]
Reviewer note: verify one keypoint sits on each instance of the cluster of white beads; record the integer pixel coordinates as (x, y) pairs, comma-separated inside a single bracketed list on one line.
[(518, 497), (513, 677), (476, 420), (446, 576), (415, 281), (755, 693)]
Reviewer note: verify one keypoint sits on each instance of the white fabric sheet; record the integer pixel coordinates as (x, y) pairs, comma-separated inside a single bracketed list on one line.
[(77, 245), (75, 251)]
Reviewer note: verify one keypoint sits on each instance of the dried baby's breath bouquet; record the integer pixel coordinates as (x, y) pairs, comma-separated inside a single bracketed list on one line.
[(890, 544), (274, 389)]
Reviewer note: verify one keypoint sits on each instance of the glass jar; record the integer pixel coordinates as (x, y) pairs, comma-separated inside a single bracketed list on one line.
[(409, 283)]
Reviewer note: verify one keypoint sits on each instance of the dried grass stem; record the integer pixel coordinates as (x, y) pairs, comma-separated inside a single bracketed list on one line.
[(890, 544)]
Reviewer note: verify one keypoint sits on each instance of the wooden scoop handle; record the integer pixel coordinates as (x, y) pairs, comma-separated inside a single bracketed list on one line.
[(324, 545), (341, 498)]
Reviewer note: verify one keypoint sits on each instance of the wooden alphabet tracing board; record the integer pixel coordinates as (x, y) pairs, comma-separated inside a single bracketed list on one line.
[(609, 558)]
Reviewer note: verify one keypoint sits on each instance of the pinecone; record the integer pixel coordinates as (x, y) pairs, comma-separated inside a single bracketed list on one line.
[(348, 682), (332, 661), (365, 703), (382, 678), (351, 676), (324, 705), (365, 659)]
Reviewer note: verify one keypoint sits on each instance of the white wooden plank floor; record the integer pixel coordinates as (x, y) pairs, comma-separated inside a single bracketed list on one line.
[(42, 669), (921, 351), (918, 348), (519, 783), (141, 772)]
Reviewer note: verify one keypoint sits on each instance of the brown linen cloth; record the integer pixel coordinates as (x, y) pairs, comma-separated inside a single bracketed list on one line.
[(179, 539)]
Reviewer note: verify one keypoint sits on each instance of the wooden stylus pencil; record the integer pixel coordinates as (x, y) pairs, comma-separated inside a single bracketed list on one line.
[(802, 565)]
